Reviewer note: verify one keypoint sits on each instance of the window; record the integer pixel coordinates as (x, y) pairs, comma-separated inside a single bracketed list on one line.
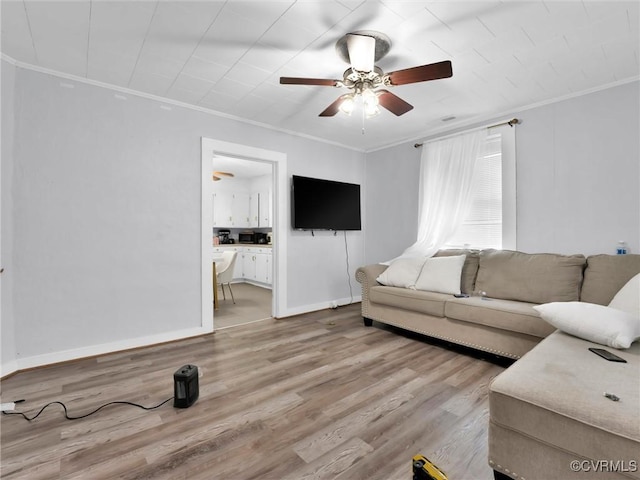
[(490, 222)]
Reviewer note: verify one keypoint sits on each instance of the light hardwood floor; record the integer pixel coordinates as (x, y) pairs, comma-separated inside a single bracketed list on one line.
[(318, 396)]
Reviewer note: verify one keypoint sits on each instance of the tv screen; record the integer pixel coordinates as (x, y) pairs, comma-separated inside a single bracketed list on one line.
[(324, 204)]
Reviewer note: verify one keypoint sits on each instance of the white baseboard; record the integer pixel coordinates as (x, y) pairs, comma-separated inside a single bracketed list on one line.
[(112, 347), (268, 286), (8, 368), (320, 306), (101, 349)]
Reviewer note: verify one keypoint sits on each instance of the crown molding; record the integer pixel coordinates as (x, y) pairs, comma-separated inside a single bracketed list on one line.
[(168, 101), (485, 119), (8, 59), (449, 128)]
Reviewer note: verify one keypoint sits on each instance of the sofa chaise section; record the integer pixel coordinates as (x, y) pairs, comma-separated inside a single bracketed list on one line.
[(549, 410)]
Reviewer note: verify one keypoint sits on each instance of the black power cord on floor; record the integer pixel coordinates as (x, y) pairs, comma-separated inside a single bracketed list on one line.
[(346, 249), (68, 417)]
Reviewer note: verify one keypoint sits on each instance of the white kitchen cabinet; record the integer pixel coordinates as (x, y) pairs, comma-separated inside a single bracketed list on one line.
[(263, 267), (256, 264), (253, 264), (231, 210), (240, 209), (248, 265), (264, 209), (222, 209), (254, 210)]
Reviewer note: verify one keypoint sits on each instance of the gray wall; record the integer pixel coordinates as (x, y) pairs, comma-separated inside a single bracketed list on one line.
[(579, 174), (392, 180), (578, 179), (309, 254), (106, 197), (7, 325)]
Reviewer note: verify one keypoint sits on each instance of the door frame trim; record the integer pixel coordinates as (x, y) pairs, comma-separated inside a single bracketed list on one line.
[(209, 148)]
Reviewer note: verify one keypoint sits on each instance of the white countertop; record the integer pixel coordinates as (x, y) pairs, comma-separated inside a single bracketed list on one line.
[(253, 245)]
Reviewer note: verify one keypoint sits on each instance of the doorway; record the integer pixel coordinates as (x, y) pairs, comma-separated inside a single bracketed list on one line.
[(243, 225), (277, 161)]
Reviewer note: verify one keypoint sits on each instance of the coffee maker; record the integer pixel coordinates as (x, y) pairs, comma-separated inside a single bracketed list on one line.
[(261, 238), (225, 236)]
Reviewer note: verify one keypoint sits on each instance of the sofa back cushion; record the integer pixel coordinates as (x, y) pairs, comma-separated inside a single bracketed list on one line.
[(605, 275), (469, 269), (530, 277)]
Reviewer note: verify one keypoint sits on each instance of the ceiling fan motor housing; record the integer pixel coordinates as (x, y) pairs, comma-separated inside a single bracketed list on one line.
[(383, 44)]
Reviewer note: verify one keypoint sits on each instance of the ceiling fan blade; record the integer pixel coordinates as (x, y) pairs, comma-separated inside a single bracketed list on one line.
[(308, 81), (334, 108), (393, 103), (422, 73), (362, 50)]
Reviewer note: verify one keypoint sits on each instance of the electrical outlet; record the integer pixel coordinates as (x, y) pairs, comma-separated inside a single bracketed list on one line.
[(7, 407)]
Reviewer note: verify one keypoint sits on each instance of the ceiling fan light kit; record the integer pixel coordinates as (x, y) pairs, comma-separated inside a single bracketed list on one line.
[(348, 104), (362, 49)]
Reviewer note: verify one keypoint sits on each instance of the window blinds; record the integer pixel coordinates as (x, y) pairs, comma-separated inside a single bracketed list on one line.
[(482, 227)]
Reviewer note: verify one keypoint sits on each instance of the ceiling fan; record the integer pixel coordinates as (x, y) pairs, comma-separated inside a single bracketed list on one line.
[(217, 176), (362, 49)]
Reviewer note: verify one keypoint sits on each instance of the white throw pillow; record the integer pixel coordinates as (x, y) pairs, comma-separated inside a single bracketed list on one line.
[(403, 273), (441, 274), (628, 298), (596, 323)]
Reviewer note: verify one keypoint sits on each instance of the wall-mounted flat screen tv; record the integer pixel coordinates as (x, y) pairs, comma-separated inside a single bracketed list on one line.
[(318, 204)]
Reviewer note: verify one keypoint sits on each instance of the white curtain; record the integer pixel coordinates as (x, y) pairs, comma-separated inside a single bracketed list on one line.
[(446, 172)]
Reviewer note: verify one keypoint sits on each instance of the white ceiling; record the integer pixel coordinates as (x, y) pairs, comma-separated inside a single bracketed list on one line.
[(228, 56)]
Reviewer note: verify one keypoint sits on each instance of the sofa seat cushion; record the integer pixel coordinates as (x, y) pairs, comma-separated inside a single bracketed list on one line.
[(430, 303), (555, 394), (504, 314)]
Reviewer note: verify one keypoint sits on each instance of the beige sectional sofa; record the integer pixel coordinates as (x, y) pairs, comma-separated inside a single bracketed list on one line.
[(503, 323), (549, 416)]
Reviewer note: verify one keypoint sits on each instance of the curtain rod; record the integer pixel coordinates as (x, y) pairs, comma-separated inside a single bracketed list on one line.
[(511, 123)]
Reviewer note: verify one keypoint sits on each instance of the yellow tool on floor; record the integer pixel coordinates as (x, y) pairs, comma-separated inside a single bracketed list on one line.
[(423, 469)]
